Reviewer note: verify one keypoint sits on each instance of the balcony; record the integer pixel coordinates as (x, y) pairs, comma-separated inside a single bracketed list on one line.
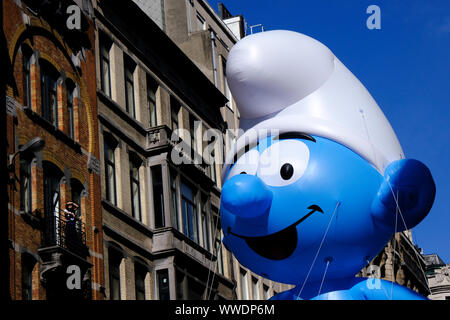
[(162, 138), (63, 245)]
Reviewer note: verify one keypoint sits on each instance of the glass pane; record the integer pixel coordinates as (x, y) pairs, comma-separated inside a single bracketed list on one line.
[(158, 196), (152, 113), (110, 181), (130, 97), (163, 284), (140, 273), (105, 77), (136, 200), (174, 201), (115, 288), (25, 185)]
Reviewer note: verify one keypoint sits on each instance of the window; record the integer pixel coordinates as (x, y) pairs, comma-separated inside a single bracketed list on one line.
[(77, 189), (130, 66), (266, 292), (244, 286), (105, 73), (25, 184), (196, 290), (140, 272), (174, 198), (218, 239), (115, 258), (152, 86), (52, 178), (158, 196), (163, 284), (188, 288), (26, 56), (110, 170), (28, 263), (255, 288), (174, 108), (135, 188), (189, 209), (205, 223), (70, 96), (49, 95)]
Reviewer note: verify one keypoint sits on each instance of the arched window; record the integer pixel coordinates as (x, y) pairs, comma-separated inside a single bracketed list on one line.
[(70, 88), (25, 182), (49, 96), (52, 202), (26, 64), (105, 72)]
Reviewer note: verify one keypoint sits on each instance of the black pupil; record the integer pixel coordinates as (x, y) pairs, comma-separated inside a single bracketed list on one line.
[(243, 172), (286, 171)]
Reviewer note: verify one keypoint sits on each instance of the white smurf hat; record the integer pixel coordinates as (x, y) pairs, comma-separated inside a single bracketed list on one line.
[(287, 81)]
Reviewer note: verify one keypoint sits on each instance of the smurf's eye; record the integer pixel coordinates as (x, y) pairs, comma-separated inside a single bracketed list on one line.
[(286, 171), (246, 164), (283, 163)]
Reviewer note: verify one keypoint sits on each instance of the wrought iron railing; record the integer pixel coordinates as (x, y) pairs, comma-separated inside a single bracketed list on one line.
[(65, 231)]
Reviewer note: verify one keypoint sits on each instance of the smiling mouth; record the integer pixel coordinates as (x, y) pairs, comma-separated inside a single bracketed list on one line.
[(279, 245)]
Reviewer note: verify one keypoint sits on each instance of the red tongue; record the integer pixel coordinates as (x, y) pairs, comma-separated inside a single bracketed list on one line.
[(277, 246)]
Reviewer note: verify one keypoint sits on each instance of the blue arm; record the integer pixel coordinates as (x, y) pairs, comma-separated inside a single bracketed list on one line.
[(412, 184), (377, 289)]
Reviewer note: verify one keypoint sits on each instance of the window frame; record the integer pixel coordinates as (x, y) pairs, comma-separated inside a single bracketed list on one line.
[(159, 275), (114, 260), (26, 194), (129, 69), (49, 86), (190, 222), (174, 196), (105, 60), (157, 170), (135, 164), (152, 88), (110, 165), (26, 66), (140, 269)]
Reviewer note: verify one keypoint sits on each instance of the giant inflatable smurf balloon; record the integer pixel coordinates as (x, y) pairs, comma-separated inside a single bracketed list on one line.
[(317, 183)]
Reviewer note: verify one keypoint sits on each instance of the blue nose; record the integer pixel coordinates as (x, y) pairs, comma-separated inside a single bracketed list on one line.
[(246, 196)]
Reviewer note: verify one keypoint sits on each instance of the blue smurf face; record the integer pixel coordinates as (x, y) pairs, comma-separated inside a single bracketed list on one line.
[(294, 202)]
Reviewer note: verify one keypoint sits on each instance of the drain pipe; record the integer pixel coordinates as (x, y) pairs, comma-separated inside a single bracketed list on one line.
[(213, 49)]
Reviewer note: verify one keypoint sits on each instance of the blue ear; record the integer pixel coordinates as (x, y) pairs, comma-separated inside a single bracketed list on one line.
[(413, 186)]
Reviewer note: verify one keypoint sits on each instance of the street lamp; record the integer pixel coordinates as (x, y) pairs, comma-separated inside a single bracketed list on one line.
[(34, 145)]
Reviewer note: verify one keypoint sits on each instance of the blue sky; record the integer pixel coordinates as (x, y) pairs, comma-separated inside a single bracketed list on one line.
[(405, 66)]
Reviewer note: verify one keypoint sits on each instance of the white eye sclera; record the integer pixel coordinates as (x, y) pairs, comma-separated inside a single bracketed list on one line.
[(283, 163), (248, 164)]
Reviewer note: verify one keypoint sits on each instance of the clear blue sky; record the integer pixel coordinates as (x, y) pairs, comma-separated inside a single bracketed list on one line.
[(405, 66)]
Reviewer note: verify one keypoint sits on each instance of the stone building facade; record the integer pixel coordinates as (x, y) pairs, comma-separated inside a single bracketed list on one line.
[(160, 209), (50, 98), (438, 276), (402, 262)]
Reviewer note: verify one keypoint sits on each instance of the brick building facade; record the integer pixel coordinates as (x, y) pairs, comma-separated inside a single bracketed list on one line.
[(51, 97)]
